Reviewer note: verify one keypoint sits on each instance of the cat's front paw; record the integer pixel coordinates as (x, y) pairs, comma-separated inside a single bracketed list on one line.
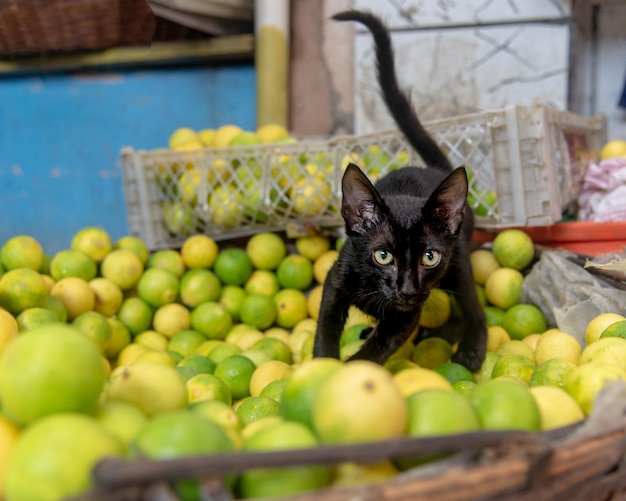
[(472, 357)]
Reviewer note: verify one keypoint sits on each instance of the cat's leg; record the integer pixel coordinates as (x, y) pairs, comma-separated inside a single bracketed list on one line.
[(473, 342), (387, 337), (332, 318)]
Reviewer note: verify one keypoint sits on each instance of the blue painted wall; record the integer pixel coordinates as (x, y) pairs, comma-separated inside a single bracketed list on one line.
[(60, 138)]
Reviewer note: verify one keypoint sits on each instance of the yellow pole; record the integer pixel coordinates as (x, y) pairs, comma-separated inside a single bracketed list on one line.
[(272, 60)]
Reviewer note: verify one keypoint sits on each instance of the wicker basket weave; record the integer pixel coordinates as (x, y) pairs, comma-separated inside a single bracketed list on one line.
[(48, 26)]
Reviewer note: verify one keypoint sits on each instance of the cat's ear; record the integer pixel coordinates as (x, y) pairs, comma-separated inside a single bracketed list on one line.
[(361, 203), (449, 201)]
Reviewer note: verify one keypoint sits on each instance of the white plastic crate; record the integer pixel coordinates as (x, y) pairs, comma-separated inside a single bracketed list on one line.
[(526, 165)]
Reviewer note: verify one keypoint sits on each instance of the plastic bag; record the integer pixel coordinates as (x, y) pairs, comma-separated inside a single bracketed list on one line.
[(603, 194)]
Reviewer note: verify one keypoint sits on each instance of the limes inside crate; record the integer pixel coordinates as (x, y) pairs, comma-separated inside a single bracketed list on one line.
[(220, 337)]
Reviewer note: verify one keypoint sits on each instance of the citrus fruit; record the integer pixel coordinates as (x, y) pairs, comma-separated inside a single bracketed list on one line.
[(108, 296), (152, 339), (262, 282), (120, 338), (365, 386), (312, 247), (323, 264), (496, 336), (266, 250), (93, 241), (464, 387), (522, 320), (218, 412), (130, 353), (31, 318), (587, 380), (486, 368), (295, 272), (200, 363), (121, 419), (291, 307), (615, 148), (73, 263), (513, 249), (267, 372), (233, 266), (517, 347), (494, 315), (231, 297), (415, 379), (503, 404), (552, 372), (76, 294), (95, 326), (314, 301), (453, 372), (617, 329), (123, 267), (274, 390), (272, 132), (207, 136), (503, 287), (157, 287), (514, 365), (282, 481), (436, 309), (275, 348), (46, 466), (206, 386), (310, 195), (185, 342), (9, 433), (9, 329), (53, 369), (21, 251), (243, 336), (152, 388), (532, 340), (351, 474), (596, 326), (483, 264), (180, 136), (211, 319), (199, 251), (134, 244), (279, 333), (252, 409), (302, 388), (236, 371), (556, 407), (56, 306), (557, 345), (198, 286), (353, 333), (225, 134), (223, 350), (431, 352), (21, 288), (135, 314), (156, 357), (611, 350), (169, 260), (171, 318)]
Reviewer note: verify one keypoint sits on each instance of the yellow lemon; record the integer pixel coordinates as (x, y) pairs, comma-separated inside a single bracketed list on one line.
[(76, 294), (503, 287), (483, 264), (598, 324), (199, 251), (496, 336), (556, 407), (323, 264), (416, 379), (557, 345), (613, 149)]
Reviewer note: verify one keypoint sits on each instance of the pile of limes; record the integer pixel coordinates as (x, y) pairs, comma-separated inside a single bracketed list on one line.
[(107, 349)]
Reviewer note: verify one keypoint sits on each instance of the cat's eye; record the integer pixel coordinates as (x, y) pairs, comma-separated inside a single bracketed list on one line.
[(431, 258), (383, 257)]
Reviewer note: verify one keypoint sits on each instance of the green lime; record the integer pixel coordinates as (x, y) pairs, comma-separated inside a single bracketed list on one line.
[(254, 408), (236, 371), (211, 319), (258, 310), (186, 342), (233, 266), (295, 272), (198, 286), (454, 372)]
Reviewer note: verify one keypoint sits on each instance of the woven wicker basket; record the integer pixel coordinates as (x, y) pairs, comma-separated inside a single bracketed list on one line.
[(48, 26), (581, 462)]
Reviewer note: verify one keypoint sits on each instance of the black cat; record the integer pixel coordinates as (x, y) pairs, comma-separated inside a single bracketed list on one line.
[(408, 233)]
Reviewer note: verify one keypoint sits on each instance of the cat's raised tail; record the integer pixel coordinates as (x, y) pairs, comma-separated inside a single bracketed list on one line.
[(398, 103)]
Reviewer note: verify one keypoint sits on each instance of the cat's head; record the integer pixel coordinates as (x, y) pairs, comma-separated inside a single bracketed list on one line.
[(404, 244)]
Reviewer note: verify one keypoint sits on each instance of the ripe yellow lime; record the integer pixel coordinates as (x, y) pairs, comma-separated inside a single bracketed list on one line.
[(532, 340), (415, 379), (556, 407), (552, 372), (120, 338), (323, 264), (314, 301), (73, 263), (312, 247), (588, 379), (93, 241), (156, 357), (513, 249), (303, 386), (211, 319), (95, 326), (199, 251), (244, 332), (291, 307), (267, 372), (45, 465), (279, 333), (59, 368), (275, 348), (198, 286), (271, 132), (123, 267), (558, 345), (522, 320), (351, 474), (9, 434), (295, 272), (503, 404), (236, 371), (231, 297), (266, 250), (484, 373), (206, 347), (431, 352), (598, 324), (180, 136), (610, 350), (207, 136), (262, 282), (152, 340), (21, 288), (9, 329), (171, 318), (167, 259), (31, 318), (282, 481), (225, 134), (185, 342), (205, 386), (76, 294), (356, 316), (517, 347), (496, 336), (613, 149), (218, 412), (135, 314), (134, 244), (618, 329), (483, 264), (21, 251), (158, 287), (515, 365), (122, 419), (153, 388), (233, 266), (130, 353), (503, 287), (109, 296), (368, 387), (227, 205), (436, 309), (310, 196)]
